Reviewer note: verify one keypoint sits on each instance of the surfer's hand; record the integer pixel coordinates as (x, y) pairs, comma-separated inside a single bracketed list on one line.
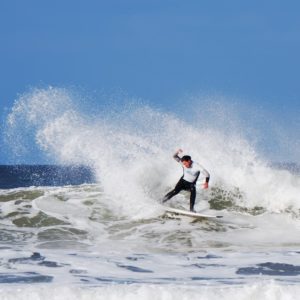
[(205, 185), (179, 151)]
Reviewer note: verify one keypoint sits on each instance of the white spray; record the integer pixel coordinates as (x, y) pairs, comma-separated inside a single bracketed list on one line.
[(131, 151)]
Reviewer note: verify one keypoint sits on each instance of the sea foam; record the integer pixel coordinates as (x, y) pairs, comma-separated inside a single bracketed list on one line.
[(264, 290)]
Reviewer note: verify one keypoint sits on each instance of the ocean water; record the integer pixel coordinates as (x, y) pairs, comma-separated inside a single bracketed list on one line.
[(90, 224)]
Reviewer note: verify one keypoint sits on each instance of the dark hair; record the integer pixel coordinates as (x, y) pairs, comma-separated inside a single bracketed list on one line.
[(186, 158)]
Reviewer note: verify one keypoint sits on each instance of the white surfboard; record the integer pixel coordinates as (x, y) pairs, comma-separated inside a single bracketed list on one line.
[(189, 213)]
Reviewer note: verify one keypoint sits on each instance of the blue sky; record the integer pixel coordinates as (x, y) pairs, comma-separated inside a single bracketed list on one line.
[(155, 50)]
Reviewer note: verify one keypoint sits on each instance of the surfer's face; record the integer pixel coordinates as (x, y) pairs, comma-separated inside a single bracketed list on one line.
[(187, 163)]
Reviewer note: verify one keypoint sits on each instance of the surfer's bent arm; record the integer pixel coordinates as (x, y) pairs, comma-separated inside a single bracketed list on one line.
[(176, 157), (205, 173), (198, 173)]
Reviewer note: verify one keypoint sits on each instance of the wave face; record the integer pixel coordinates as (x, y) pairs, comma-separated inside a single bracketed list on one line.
[(94, 218)]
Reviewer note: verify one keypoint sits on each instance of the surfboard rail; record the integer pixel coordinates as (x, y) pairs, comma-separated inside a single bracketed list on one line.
[(190, 213)]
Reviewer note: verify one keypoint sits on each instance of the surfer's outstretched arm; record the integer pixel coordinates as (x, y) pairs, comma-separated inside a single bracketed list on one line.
[(176, 157)]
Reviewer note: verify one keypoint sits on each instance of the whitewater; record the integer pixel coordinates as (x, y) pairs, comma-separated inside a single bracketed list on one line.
[(111, 238)]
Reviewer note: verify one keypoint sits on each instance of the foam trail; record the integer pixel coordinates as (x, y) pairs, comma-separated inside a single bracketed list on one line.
[(130, 150), (265, 290)]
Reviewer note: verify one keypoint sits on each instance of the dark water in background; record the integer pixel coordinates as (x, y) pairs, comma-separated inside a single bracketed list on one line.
[(14, 176)]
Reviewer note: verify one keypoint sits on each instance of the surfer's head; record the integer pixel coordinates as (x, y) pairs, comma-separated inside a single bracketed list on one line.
[(186, 161)]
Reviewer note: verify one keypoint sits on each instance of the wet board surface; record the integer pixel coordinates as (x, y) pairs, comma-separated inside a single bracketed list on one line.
[(190, 214)]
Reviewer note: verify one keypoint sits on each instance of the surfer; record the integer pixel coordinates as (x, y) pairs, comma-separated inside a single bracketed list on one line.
[(191, 172)]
